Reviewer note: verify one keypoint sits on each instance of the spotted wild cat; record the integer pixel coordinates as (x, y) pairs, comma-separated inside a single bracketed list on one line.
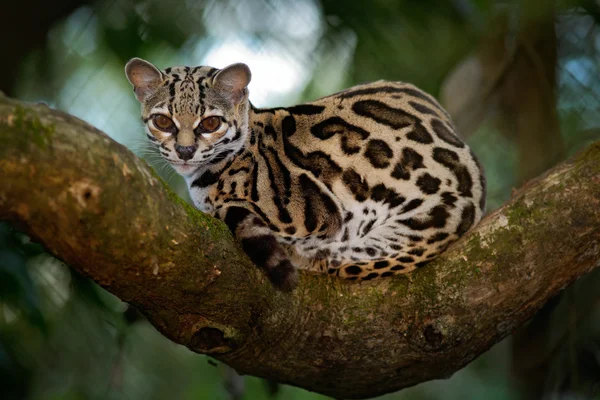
[(365, 183)]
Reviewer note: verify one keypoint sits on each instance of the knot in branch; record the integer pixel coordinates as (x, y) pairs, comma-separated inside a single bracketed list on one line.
[(210, 340)]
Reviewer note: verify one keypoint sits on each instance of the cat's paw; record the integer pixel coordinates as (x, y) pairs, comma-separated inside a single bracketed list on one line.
[(283, 276)]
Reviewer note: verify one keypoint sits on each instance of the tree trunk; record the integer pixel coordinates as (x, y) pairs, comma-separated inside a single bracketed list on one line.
[(511, 81), (103, 211)]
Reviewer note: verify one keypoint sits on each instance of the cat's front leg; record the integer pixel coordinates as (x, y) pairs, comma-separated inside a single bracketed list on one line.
[(261, 245)]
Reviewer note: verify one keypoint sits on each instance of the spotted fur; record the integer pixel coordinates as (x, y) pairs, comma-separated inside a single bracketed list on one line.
[(365, 183)]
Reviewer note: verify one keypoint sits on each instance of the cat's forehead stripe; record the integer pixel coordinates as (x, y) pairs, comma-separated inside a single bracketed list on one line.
[(187, 88)]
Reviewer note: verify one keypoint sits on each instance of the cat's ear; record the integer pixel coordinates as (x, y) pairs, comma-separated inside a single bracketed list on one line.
[(144, 77), (232, 81)]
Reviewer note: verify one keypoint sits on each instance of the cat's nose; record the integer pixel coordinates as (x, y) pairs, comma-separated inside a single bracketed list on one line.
[(185, 152)]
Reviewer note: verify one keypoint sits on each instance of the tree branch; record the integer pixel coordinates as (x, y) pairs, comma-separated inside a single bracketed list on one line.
[(96, 206)]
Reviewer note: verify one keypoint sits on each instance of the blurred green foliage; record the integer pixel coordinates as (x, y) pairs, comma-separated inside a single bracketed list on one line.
[(62, 337)]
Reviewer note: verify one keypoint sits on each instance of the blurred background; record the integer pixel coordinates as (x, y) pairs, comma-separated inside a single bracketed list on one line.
[(521, 79)]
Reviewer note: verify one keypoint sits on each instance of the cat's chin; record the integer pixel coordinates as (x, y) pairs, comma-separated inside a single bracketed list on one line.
[(184, 169)]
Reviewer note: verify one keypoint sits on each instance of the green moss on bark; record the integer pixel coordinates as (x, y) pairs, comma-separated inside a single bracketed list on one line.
[(24, 127)]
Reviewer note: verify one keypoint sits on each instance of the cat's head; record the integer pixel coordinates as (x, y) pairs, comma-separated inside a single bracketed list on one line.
[(198, 115)]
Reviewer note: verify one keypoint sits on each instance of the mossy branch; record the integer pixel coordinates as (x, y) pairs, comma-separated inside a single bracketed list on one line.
[(96, 206)]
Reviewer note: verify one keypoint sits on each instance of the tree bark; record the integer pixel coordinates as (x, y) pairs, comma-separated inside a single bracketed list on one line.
[(103, 211)]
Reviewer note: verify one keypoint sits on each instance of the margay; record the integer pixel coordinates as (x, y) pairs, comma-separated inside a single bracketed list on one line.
[(368, 182)]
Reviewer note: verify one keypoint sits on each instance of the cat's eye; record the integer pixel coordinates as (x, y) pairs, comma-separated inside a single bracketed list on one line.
[(210, 124), (163, 123)]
